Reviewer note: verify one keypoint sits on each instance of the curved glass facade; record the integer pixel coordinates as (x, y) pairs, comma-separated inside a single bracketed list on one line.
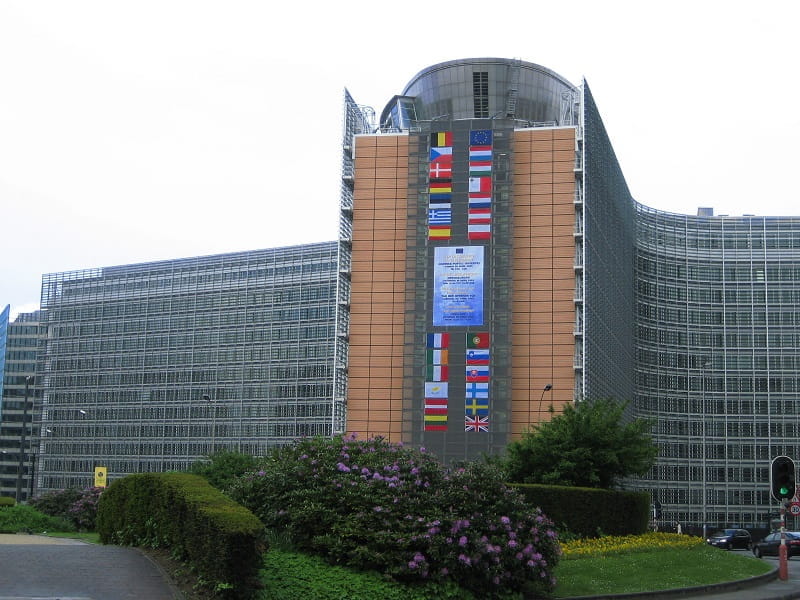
[(482, 88), (717, 359)]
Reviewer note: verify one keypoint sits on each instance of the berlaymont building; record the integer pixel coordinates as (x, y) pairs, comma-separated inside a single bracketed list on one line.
[(491, 262)]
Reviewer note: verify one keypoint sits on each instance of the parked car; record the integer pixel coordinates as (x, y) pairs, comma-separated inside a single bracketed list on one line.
[(771, 543), (730, 538)]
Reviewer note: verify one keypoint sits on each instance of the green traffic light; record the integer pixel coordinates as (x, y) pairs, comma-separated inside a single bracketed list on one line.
[(784, 491)]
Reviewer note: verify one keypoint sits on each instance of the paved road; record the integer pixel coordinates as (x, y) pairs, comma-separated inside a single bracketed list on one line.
[(42, 568)]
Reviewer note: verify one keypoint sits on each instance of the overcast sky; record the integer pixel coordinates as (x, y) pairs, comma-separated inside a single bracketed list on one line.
[(159, 129)]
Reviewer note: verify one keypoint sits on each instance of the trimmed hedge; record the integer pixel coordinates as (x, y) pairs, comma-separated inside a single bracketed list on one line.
[(7, 501), (586, 511), (220, 540)]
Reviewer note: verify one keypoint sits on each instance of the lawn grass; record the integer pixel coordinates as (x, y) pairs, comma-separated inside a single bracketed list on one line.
[(656, 569), (91, 537)]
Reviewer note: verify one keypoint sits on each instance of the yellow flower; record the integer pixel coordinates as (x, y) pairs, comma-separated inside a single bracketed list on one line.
[(630, 543)]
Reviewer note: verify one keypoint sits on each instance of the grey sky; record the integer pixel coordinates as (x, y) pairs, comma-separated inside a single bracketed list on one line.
[(137, 131)]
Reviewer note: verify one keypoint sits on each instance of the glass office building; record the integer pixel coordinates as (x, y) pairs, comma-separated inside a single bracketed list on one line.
[(149, 367), (499, 263), (20, 403)]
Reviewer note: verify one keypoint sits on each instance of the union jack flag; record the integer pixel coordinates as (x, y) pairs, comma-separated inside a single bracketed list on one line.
[(476, 423)]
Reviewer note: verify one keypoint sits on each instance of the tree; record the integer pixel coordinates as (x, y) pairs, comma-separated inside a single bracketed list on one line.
[(223, 467), (588, 445)]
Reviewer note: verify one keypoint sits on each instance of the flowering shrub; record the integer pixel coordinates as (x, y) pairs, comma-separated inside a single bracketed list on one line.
[(76, 506), (56, 503), (375, 505), (628, 543), (84, 511)]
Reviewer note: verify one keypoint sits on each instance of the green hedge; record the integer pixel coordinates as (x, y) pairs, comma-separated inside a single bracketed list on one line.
[(222, 541), (589, 512), (7, 501)]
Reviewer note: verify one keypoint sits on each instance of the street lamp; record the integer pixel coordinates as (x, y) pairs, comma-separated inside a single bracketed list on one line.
[(21, 464), (547, 388)]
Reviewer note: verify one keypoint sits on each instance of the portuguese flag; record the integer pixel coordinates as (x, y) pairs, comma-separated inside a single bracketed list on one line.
[(478, 340)]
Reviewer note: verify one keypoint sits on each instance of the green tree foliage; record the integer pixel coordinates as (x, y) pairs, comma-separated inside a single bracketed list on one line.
[(588, 445), (222, 468)]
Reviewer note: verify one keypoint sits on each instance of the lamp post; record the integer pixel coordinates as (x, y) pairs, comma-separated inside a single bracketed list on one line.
[(21, 464), (546, 388)]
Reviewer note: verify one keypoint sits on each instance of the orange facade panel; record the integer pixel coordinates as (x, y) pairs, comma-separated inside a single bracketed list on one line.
[(378, 285)]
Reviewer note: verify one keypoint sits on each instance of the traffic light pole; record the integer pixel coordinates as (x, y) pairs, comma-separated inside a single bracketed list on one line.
[(783, 559)]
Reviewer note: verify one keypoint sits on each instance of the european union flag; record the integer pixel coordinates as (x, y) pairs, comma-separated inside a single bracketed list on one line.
[(480, 137)]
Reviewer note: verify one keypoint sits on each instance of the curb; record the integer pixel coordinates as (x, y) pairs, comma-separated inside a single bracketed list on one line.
[(712, 588), (176, 592)]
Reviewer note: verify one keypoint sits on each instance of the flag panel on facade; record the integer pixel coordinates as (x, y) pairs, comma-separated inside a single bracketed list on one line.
[(436, 356), (476, 406), (478, 339), (477, 390), (435, 389), (476, 423), (439, 232), (476, 216), (441, 188), (441, 155), (436, 404), (436, 372), (433, 416), (441, 138), (439, 216), (477, 373), (479, 170), (478, 356), (480, 137), (435, 427), (480, 184), (439, 170), (479, 232), (478, 201), (438, 340), (440, 205), (480, 155)]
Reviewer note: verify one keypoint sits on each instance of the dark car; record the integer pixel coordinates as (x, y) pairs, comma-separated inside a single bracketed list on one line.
[(770, 544), (730, 538)]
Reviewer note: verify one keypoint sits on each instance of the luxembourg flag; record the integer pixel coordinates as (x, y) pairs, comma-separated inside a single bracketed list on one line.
[(480, 154), (478, 201)]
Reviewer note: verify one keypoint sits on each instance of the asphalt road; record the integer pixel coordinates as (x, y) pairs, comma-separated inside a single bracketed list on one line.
[(42, 568)]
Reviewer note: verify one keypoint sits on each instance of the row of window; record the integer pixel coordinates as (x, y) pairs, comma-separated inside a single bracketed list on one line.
[(731, 384), (741, 360)]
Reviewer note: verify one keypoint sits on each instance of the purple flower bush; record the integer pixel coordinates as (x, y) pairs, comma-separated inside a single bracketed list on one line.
[(77, 506), (373, 505)]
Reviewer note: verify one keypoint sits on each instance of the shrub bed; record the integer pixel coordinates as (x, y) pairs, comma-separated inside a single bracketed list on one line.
[(378, 506), (220, 540), (26, 519)]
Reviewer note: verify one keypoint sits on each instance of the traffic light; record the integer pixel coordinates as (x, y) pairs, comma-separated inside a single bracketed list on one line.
[(782, 478)]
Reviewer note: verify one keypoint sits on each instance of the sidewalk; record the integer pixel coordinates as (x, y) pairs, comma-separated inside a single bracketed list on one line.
[(33, 566)]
